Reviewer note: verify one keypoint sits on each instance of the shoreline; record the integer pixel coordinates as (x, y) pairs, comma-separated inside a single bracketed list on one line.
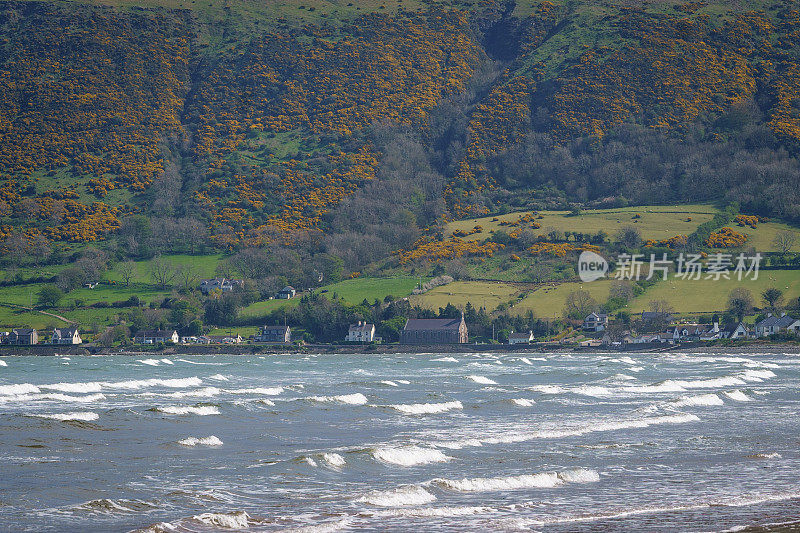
[(758, 347)]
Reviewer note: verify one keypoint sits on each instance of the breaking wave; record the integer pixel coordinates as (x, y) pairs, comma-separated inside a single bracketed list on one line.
[(203, 441), (510, 438), (522, 402), (82, 416), (737, 395), (178, 410), (543, 480), (233, 520), (269, 391), (696, 401), (351, 399), (409, 455), (409, 495), (482, 380), (427, 408)]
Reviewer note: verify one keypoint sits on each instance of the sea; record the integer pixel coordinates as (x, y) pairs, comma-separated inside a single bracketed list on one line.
[(400, 442)]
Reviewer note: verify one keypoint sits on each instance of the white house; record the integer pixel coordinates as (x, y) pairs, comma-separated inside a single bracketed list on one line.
[(520, 338), (223, 284), (595, 322), (734, 331), (287, 293), (155, 336), (65, 336), (361, 332)]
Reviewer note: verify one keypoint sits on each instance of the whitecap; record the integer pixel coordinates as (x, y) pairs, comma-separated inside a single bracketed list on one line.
[(3, 363), (149, 362), (591, 390), (757, 375), (233, 520), (18, 388), (350, 399), (482, 380), (390, 383), (525, 360), (427, 408), (334, 459), (522, 402), (75, 387), (203, 441), (556, 433), (167, 361), (269, 391), (205, 392), (697, 401), (541, 480), (446, 359), (218, 377), (403, 381), (432, 512), (401, 496), (409, 455), (178, 410), (737, 395), (547, 389), (765, 456), (86, 416)]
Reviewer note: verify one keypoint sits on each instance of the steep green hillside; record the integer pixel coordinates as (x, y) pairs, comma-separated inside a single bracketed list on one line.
[(347, 128)]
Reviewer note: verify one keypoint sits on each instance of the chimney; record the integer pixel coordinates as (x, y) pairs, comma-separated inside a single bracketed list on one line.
[(716, 327)]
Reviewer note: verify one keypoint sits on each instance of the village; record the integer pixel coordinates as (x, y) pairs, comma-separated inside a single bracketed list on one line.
[(597, 330)]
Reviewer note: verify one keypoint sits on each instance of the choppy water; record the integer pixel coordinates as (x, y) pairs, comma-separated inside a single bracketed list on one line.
[(640, 442)]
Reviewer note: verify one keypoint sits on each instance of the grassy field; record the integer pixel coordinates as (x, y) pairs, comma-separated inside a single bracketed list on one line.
[(547, 301), (656, 222), (480, 293), (352, 291), (703, 296), (204, 265)]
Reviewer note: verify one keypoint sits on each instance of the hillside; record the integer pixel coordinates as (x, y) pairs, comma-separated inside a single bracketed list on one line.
[(345, 129)]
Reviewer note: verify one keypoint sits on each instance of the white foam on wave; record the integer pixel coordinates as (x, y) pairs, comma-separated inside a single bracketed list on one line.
[(701, 400), (403, 381), (401, 496), (205, 392), (446, 359), (427, 408), (592, 390), (18, 388), (134, 384), (149, 362), (547, 389), (482, 380), (389, 382), (52, 396), (522, 402), (334, 459), (268, 391), (431, 512), (542, 480), (3, 363), (350, 399), (556, 433), (757, 375), (202, 441), (234, 520), (737, 395), (204, 410), (83, 416), (167, 361), (761, 364), (409, 455), (218, 377)]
